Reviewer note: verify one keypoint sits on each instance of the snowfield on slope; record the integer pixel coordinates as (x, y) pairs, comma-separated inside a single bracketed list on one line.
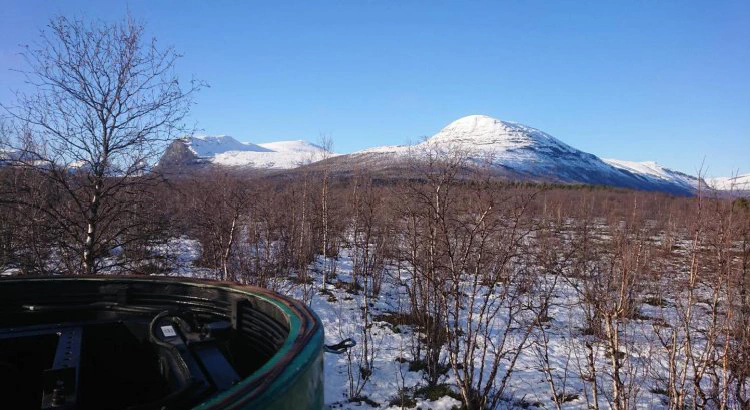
[(227, 151), (651, 169), (734, 183)]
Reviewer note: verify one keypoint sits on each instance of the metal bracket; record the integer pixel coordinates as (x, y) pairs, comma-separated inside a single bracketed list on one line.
[(341, 346), (61, 381)]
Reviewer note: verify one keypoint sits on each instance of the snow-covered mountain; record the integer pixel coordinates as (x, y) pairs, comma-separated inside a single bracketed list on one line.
[(517, 147), (211, 145), (655, 173), (224, 150), (734, 183), (520, 152), (514, 151), (7, 154)]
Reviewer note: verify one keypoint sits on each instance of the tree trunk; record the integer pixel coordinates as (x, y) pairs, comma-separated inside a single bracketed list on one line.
[(228, 249), (89, 262)]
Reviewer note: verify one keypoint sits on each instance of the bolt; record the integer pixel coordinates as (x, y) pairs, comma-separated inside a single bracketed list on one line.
[(58, 396)]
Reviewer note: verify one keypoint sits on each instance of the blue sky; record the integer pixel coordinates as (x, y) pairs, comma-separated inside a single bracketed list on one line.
[(636, 80)]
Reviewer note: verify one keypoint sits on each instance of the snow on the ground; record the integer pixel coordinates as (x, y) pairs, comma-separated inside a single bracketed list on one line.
[(181, 254), (10, 271), (340, 311)]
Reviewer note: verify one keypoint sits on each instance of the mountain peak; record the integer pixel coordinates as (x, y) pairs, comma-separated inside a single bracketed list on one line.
[(483, 121), (225, 150), (475, 131), (477, 124)]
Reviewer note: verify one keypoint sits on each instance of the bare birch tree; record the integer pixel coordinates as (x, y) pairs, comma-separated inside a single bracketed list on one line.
[(103, 99)]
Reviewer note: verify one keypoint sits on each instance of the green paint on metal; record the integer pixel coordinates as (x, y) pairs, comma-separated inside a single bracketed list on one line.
[(299, 386), (294, 372)]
